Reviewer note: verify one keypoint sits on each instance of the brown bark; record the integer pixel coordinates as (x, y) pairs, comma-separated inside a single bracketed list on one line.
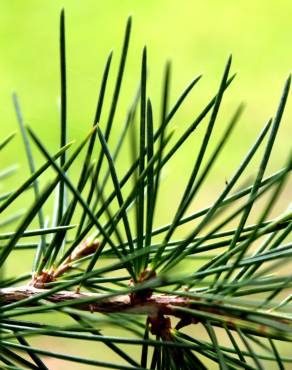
[(157, 303)]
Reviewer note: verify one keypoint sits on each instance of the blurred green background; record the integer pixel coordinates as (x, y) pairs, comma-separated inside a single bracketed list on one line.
[(197, 36)]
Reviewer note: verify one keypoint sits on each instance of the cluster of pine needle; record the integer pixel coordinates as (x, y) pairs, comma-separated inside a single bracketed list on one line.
[(101, 260)]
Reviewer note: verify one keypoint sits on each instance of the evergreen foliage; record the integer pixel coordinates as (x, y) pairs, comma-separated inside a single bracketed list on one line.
[(101, 262)]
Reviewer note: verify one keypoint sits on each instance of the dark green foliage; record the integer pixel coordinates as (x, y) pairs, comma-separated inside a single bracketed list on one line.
[(102, 251)]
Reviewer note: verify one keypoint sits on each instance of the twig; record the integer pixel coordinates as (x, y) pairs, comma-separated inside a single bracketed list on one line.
[(120, 303)]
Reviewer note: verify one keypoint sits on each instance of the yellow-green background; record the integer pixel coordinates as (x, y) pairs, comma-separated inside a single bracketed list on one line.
[(197, 36)]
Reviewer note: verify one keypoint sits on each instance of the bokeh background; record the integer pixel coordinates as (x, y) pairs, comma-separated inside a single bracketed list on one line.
[(197, 36)]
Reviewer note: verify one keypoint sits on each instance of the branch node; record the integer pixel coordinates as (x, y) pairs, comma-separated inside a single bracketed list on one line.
[(143, 295), (160, 326)]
